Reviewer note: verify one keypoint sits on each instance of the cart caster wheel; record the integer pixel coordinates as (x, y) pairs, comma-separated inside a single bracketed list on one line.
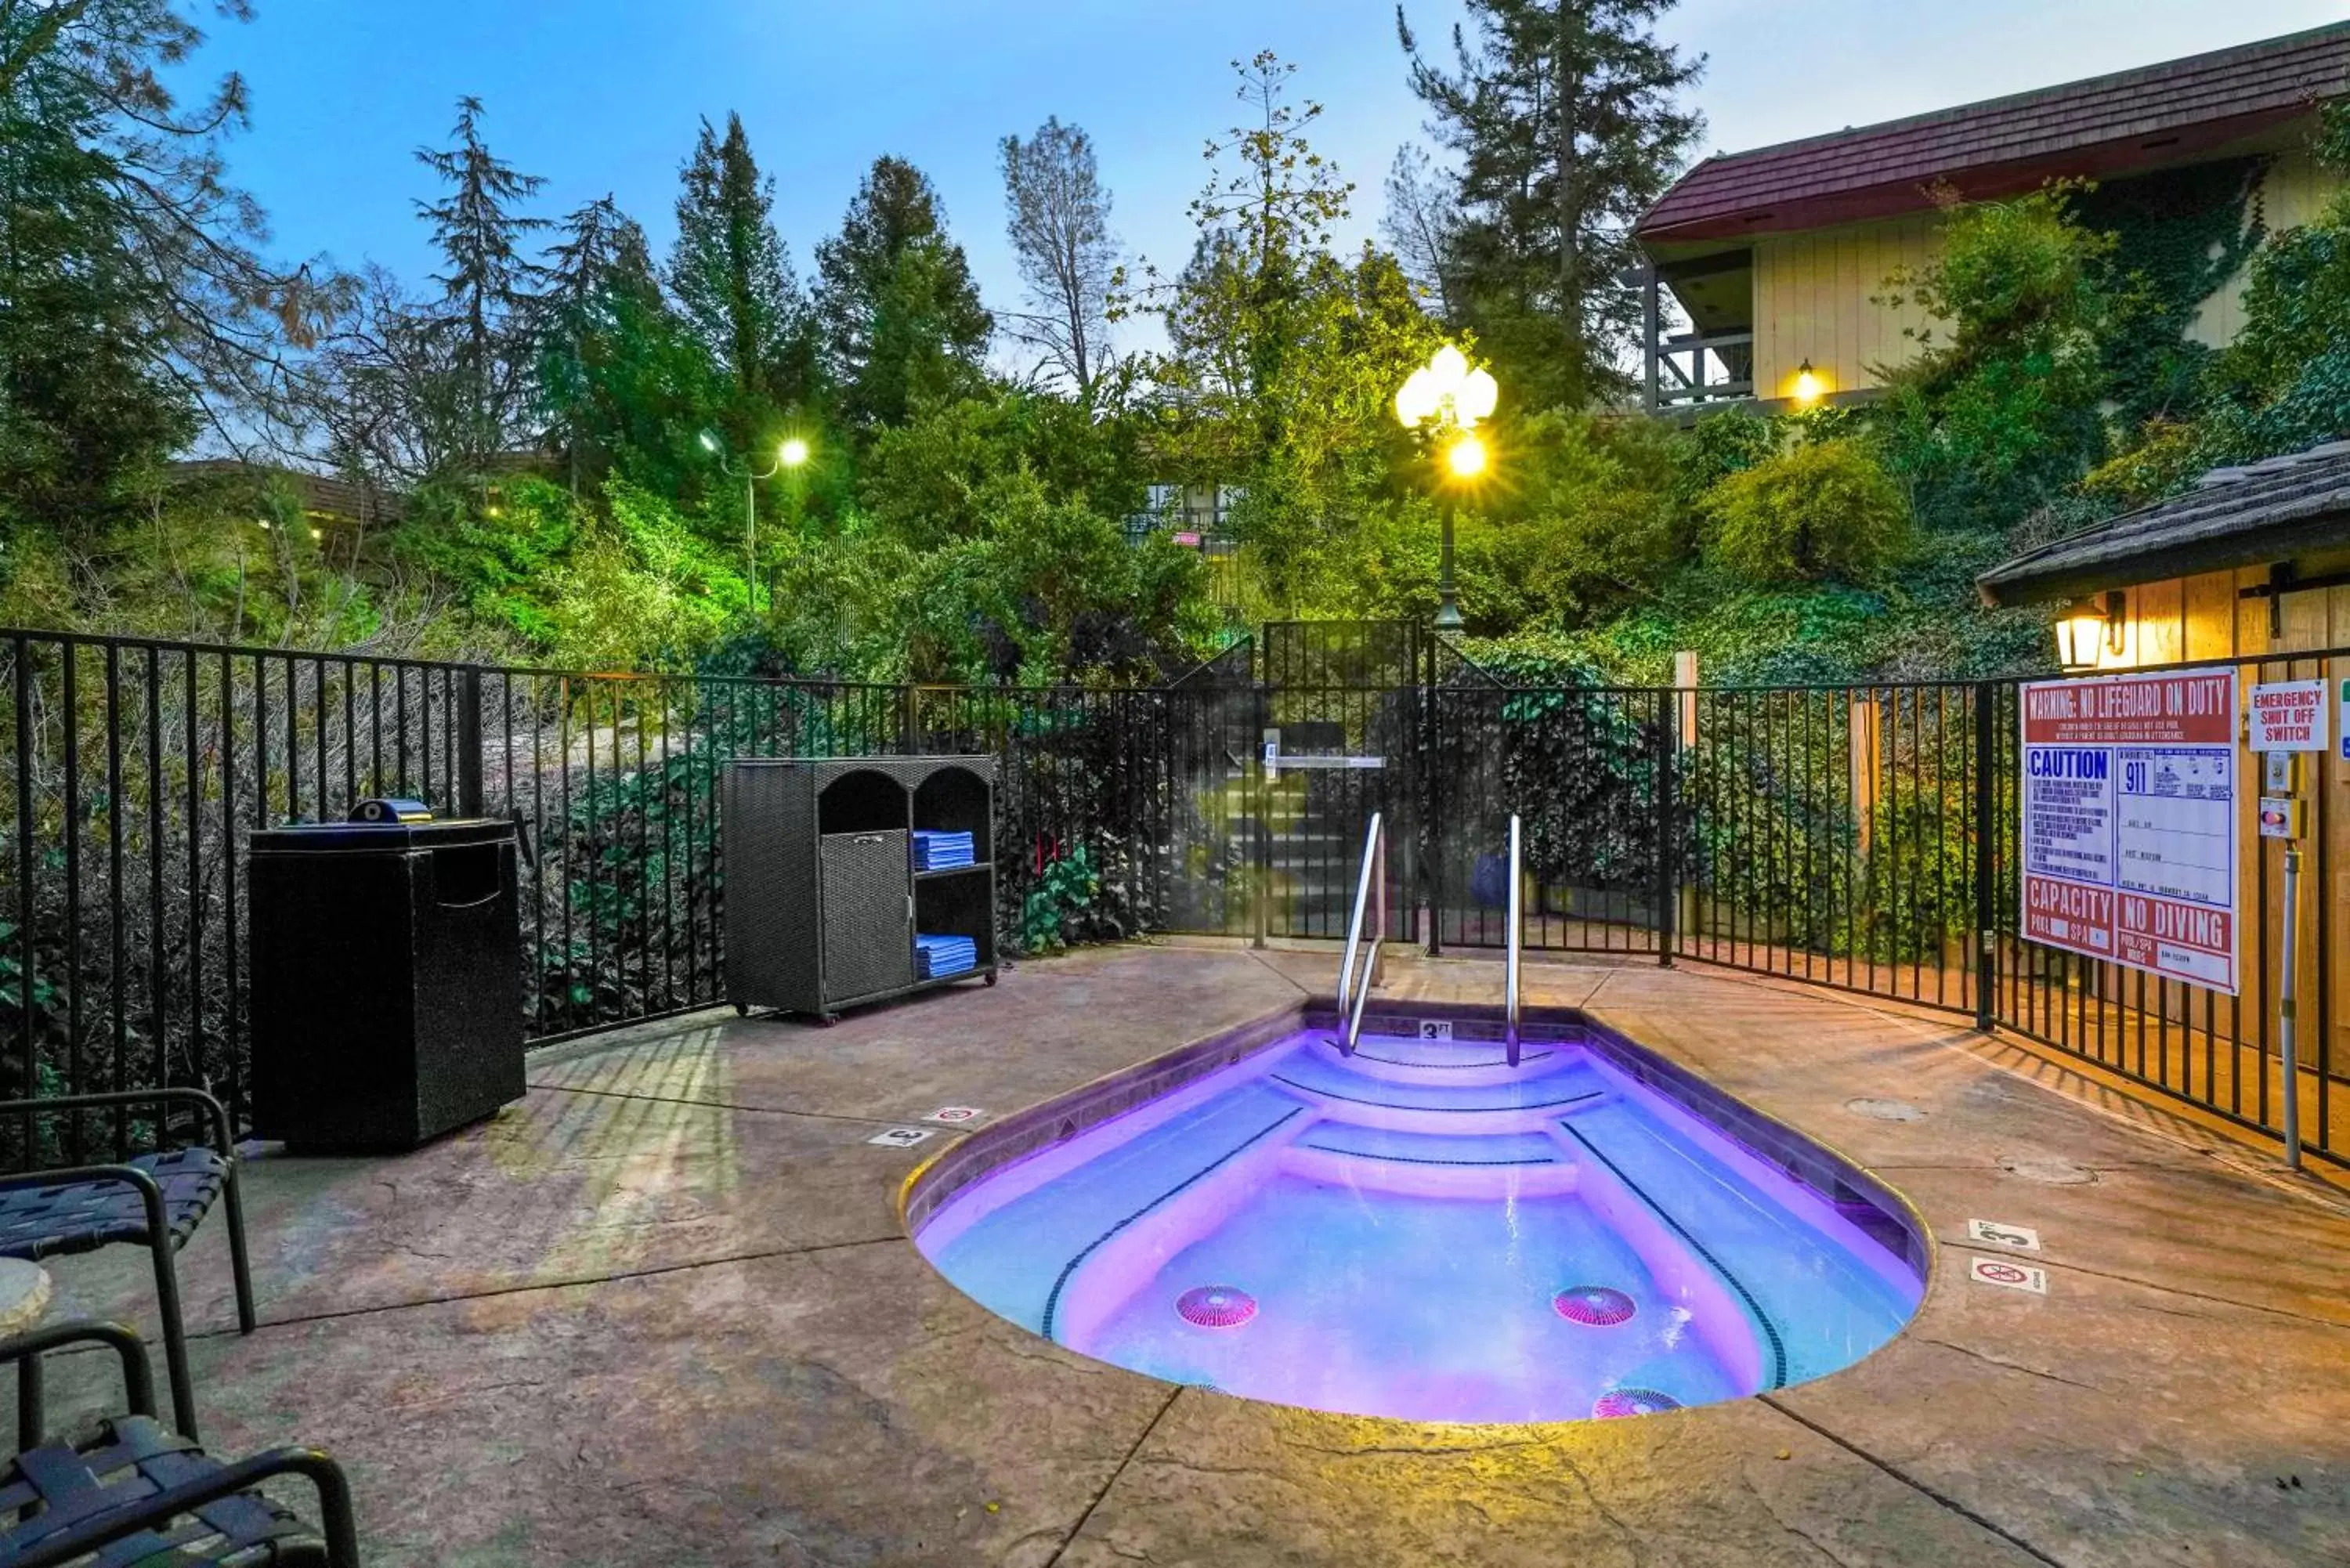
[(826, 1020), (989, 977), (741, 1009)]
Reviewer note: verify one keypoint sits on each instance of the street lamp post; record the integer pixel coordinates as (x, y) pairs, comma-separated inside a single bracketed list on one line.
[(1447, 399), (790, 455)]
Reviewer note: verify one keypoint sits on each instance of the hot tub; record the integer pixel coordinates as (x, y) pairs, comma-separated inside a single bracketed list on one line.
[(1419, 1229)]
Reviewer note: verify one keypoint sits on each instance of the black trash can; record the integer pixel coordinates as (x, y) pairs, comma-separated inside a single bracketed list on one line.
[(387, 981)]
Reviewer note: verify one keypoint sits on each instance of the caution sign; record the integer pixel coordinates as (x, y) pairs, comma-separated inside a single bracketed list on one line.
[(2129, 822), (2289, 716)]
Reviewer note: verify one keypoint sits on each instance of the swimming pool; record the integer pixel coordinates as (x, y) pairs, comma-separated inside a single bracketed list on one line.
[(1421, 1230)]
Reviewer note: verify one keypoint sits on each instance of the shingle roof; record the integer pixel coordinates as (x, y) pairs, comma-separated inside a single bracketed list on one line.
[(2268, 511), (2105, 125)]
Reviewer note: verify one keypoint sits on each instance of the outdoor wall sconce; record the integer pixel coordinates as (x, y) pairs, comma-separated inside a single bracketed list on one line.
[(1807, 383), (2090, 628)]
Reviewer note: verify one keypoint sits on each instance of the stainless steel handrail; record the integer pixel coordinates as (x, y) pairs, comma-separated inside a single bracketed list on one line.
[(1517, 880), (1372, 885)]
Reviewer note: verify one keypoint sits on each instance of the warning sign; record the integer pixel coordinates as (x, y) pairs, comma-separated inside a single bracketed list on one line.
[(2289, 716), (2129, 822), (2011, 1276)]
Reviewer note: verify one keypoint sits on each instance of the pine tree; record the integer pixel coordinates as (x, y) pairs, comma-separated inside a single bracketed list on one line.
[(489, 285), (1565, 118), (901, 317), (733, 279), (628, 384)]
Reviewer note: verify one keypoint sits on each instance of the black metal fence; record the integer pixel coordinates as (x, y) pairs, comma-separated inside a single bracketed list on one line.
[(1860, 836)]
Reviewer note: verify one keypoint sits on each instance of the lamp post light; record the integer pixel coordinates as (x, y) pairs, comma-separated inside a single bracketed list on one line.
[(790, 455), (1446, 398)]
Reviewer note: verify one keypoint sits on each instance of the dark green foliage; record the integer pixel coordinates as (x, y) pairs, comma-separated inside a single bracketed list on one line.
[(2284, 383), (733, 280), (1060, 908), (628, 386), (134, 308), (2178, 236), (1566, 118), (1820, 510), (900, 316), (489, 289), (2002, 409)]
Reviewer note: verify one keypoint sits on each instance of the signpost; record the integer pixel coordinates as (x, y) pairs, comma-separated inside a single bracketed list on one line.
[(2288, 719), (2289, 716), (2129, 822)]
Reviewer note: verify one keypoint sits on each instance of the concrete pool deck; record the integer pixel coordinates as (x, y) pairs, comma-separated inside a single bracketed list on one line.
[(662, 1312)]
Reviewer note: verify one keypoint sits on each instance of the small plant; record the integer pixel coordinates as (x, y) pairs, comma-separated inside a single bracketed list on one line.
[(1061, 908)]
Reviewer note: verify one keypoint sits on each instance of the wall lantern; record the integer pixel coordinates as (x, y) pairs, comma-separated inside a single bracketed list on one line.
[(1808, 385), (2090, 628)]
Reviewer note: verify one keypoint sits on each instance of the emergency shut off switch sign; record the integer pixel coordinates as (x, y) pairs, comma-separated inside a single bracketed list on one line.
[(2129, 822)]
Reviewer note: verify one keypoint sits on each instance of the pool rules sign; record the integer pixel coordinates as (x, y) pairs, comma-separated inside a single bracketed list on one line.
[(2129, 822)]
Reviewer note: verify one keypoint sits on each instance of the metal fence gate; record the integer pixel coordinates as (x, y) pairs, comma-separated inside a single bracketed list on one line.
[(1861, 836)]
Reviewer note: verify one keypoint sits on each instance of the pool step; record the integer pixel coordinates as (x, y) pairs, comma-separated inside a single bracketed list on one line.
[(1483, 1102)]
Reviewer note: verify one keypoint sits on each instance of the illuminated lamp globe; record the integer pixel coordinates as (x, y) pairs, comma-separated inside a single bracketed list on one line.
[(1466, 457), (794, 453)]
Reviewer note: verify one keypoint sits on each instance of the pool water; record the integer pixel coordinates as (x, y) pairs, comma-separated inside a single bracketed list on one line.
[(1421, 1230)]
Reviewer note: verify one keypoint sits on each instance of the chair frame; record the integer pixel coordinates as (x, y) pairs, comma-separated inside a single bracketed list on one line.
[(160, 1245), (337, 1524)]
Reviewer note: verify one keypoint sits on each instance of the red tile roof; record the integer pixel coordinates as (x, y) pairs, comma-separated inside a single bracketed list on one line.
[(2155, 115)]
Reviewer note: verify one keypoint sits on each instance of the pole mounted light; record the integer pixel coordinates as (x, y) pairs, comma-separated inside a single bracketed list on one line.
[(791, 454), (1448, 399)]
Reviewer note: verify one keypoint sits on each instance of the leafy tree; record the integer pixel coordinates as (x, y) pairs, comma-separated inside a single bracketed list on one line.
[(135, 308), (1265, 218), (1057, 217), (1423, 224), (1565, 118), (2001, 409), (733, 279), (1821, 510), (489, 285), (924, 480), (1284, 357), (1590, 525), (901, 318)]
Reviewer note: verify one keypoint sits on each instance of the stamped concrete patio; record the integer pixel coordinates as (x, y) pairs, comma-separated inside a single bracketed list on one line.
[(662, 1312)]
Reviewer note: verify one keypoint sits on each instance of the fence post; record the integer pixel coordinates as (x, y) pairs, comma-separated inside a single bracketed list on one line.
[(1986, 842), (469, 742), (1430, 826), (1668, 748)]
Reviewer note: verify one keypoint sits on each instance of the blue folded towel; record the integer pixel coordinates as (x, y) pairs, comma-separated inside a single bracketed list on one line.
[(937, 851), (935, 957)]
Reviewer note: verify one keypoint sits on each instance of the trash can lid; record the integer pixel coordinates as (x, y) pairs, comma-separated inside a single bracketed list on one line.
[(380, 837)]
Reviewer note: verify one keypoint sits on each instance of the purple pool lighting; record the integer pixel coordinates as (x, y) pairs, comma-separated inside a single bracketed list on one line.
[(1620, 1402), (1216, 1307), (1421, 1230), (1596, 1306)]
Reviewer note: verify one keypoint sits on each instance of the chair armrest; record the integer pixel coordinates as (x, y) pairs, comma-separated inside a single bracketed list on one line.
[(137, 1379), (335, 1522), (213, 1111)]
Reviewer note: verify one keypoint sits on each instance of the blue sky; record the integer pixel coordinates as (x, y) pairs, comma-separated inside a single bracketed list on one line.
[(602, 95)]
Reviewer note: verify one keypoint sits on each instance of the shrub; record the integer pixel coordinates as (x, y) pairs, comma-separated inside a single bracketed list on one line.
[(1826, 510)]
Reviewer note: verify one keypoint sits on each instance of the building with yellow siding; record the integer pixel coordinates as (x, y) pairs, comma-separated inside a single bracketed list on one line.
[(1765, 272)]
